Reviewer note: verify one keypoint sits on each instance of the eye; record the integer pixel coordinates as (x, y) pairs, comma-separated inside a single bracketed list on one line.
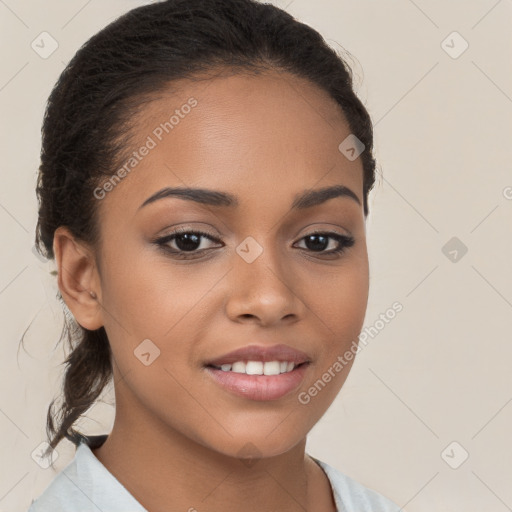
[(185, 241), (318, 241)]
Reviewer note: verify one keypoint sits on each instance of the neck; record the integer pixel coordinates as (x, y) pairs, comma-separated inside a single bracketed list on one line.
[(165, 470)]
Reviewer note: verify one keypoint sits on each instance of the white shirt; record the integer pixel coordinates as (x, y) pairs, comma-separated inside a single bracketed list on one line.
[(86, 485)]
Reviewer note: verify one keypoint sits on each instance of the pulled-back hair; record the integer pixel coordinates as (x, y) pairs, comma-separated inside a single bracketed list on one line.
[(90, 111)]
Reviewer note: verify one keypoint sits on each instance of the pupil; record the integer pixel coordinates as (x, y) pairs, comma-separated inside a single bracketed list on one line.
[(316, 244), (187, 241)]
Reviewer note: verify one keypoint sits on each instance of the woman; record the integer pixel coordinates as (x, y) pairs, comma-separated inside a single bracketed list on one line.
[(203, 189)]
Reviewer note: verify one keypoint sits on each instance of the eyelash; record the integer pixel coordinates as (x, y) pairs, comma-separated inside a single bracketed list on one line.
[(344, 241)]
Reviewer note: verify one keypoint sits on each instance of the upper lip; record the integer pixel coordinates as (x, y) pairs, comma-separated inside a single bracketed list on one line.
[(261, 353)]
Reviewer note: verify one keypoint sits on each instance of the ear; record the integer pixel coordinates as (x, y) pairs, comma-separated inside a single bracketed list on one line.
[(78, 279)]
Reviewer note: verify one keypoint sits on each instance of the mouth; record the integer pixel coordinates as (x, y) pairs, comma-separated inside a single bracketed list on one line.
[(246, 380), (260, 373)]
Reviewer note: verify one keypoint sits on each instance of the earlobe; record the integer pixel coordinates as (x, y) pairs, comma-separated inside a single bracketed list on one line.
[(78, 279)]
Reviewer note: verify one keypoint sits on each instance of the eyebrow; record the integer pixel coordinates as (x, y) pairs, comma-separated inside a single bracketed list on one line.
[(306, 199)]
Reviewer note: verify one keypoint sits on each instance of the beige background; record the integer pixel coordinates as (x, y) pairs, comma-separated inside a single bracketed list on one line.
[(439, 372)]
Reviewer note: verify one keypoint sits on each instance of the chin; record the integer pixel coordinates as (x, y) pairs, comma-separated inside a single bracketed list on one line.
[(252, 446)]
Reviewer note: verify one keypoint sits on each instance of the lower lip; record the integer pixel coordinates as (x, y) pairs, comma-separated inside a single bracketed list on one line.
[(259, 387)]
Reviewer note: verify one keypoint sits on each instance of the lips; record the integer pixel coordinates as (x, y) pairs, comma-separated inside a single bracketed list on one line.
[(261, 353), (259, 388)]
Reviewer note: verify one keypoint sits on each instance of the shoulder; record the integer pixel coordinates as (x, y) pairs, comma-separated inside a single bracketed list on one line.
[(85, 485), (352, 496)]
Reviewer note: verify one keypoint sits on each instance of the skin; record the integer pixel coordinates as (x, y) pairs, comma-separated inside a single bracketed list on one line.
[(177, 435)]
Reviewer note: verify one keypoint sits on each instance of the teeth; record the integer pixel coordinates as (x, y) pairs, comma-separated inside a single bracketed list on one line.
[(259, 368), (238, 367), (254, 368), (271, 368)]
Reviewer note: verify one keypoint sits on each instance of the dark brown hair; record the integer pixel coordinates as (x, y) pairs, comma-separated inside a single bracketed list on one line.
[(86, 128)]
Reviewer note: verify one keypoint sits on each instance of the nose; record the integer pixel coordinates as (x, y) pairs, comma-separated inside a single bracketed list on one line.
[(263, 290)]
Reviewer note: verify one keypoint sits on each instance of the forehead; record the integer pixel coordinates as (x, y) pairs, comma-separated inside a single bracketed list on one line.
[(271, 133)]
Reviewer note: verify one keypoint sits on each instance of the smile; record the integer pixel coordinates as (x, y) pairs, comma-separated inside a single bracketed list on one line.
[(236, 378)]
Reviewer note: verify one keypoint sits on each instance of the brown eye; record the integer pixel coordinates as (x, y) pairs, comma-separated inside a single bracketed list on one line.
[(191, 242), (319, 242)]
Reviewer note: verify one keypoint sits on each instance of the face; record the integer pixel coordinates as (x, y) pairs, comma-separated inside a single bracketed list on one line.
[(261, 272)]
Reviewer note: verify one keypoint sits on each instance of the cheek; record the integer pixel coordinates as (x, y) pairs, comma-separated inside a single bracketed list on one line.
[(168, 304), (340, 303), (149, 295), (151, 321), (338, 297)]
